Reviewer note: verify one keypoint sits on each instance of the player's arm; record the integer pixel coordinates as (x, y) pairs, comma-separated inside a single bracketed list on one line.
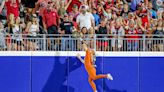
[(79, 57), (84, 45)]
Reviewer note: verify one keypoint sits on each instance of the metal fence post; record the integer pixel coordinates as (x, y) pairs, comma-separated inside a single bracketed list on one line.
[(95, 42), (144, 43), (44, 42)]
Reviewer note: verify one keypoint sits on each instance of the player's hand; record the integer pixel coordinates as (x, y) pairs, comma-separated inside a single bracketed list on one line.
[(82, 41)]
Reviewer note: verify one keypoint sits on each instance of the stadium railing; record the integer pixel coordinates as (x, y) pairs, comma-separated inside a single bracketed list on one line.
[(45, 42)]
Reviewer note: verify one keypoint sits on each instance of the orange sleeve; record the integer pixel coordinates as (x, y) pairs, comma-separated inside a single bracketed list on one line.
[(88, 57)]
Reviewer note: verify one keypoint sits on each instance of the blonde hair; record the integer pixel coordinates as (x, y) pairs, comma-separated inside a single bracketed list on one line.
[(91, 31), (120, 21)]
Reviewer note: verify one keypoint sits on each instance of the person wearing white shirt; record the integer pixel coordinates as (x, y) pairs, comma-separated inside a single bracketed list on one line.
[(85, 19), (17, 35), (33, 30)]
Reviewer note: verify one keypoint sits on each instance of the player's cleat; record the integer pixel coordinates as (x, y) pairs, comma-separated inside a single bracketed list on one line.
[(95, 66), (109, 76), (96, 91)]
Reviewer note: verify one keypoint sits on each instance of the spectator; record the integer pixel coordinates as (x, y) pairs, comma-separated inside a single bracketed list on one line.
[(153, 13), (99, 10), (32, 29), (50, 19), (126, 15), (133, 37), (107, 13), (144, 18), (125, 11), (50, 23), (11, 21), (96, 17), (17, 35), (119, 9), (85, 19), (88, 36), (12, 7), (84, 32), (62, 9), (118, 33), (74, 12), (159, 33), (42, 5), (2, 37), (67, 28), (134, 4), (103, 41)]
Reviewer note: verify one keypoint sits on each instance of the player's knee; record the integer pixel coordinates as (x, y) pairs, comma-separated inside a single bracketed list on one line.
[(89, 79), (93, 77)]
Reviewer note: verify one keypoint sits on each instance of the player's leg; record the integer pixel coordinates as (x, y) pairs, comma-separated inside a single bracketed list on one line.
[(92, 74), (100, 76), (93, 85)]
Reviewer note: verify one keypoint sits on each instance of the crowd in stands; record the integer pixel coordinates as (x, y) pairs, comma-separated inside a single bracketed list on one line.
[(22, 21)]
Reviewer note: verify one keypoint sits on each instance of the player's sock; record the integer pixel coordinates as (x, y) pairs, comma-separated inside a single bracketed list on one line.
[(96, 91), (109, 76), (94, 65)]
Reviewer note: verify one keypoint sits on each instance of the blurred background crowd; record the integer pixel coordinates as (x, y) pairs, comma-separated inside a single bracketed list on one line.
[(119, 25)]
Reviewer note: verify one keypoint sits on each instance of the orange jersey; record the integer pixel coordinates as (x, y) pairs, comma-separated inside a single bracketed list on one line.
[(88, 64)]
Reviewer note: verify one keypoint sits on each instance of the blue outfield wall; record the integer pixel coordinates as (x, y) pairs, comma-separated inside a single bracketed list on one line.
[(67, 74)]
